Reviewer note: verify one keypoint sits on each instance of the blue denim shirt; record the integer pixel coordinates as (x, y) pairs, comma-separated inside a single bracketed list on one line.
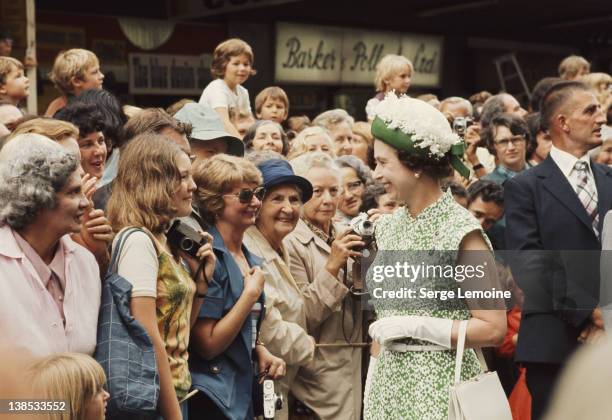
[(228, 378)]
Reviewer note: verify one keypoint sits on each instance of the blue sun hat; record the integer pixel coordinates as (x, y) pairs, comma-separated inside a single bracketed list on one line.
[(418, 128), (277, 172)]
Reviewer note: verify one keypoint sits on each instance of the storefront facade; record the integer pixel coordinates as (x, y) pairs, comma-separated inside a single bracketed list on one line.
[(322, 63)]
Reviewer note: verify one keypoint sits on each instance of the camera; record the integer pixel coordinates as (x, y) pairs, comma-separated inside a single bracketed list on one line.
[(183, 237), (361, 226), (271, 400), (460, 125), (364, 228)]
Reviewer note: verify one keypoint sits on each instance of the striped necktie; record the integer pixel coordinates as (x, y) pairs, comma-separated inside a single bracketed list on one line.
[(586, 192)]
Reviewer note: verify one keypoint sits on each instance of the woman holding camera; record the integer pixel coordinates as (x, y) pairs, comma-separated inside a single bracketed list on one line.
[(356, 176), (225, 336), (412, 375), (330, 384), (154, 185)]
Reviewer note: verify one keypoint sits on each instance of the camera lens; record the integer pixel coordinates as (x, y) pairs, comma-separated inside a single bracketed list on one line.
[(186, 244)]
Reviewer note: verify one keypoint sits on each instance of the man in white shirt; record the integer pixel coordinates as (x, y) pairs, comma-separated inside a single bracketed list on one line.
[(554, 217)]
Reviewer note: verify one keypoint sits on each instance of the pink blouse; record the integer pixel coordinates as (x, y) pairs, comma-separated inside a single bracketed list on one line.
[(30, 315)]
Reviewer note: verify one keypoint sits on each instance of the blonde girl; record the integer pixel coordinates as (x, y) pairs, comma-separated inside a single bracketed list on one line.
[(73, 379), (393, 73)]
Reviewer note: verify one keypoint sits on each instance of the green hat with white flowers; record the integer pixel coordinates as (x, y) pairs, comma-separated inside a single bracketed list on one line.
[(418, 128)]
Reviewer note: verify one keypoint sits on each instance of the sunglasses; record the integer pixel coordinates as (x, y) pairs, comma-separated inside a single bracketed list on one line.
[(245, 196)]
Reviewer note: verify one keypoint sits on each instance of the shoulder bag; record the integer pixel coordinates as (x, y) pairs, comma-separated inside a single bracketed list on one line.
[(480, 398), (124, 350)]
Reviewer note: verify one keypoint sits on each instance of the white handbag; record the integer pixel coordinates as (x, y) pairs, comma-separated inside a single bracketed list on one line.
[(480, 398)]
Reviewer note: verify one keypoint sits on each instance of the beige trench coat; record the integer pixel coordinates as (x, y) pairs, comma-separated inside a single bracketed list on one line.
[(331, 383), (283, 330)]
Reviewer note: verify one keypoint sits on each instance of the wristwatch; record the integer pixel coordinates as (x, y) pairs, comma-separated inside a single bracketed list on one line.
[(477, 166)]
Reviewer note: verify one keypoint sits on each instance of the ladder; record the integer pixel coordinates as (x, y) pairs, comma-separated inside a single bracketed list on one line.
[(509, 72)]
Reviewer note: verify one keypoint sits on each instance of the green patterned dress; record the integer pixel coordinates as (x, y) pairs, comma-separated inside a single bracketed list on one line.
[(415, 385)]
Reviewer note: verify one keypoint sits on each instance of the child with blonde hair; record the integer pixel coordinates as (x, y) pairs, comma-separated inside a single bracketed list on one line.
[(74, 380), (393, 73), (272, 103), (231, 66), (574, 67), (74, 71), (13, 82)]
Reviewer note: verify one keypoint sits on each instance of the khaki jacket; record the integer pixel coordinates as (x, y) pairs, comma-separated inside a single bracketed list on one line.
[(331, 383), (283, 330)]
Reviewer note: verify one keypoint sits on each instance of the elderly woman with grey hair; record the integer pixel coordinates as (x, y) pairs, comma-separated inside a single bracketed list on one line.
[(312, 139), (41, 204), (356, 176), (340, 125), (319, 253)]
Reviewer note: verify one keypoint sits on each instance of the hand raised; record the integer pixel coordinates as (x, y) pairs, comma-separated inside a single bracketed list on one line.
[(254, 283)]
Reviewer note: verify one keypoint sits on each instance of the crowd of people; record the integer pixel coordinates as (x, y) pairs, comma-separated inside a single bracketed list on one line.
[(238, 233)]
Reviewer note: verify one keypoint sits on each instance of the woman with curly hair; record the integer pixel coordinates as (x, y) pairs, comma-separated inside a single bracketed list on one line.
[(228, 356), (50, 284), (90, 122), (311, 139)]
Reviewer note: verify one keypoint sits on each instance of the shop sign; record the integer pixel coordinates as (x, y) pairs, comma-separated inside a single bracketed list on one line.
[(331, 55), (162, 74)]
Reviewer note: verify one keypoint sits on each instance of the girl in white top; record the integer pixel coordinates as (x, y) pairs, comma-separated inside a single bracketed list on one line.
[(231, 66), (393, 73)]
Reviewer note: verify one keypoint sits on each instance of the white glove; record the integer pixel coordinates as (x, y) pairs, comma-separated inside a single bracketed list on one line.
[(434, 330)]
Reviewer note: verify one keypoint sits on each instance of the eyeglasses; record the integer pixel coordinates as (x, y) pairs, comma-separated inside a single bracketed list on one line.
[(245, 196), (353, 186), (515, 140)]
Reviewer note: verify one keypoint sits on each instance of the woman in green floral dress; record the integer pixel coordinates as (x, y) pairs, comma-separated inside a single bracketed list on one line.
[(414, 149)]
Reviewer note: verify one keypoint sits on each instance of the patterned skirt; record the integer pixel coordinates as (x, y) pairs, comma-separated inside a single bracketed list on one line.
[(414, 385)]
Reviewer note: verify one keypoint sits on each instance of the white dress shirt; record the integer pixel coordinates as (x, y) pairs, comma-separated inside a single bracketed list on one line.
[(566, 162)]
